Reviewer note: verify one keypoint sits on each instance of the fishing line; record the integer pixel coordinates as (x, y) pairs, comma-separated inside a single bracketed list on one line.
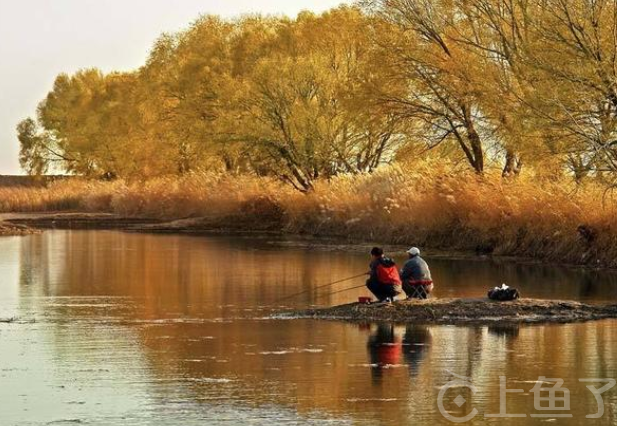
[(342, 291), (321, 286)]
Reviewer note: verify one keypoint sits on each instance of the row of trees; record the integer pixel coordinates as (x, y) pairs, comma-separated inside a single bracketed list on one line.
[(487, 82)]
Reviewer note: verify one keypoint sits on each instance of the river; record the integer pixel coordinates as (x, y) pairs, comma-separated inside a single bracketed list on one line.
[(117, 328)]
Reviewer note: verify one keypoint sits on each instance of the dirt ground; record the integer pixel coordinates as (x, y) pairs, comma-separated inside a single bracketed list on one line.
[(467, 311)]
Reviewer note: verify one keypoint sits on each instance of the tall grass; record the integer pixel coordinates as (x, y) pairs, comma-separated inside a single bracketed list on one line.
[(431, 205)]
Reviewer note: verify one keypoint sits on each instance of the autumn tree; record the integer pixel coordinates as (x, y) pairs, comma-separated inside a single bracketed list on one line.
[(38, 152), (573, 55), (70, 123), (488, 83), (187, 77), (422, 51), (307, 110), (496, 34)]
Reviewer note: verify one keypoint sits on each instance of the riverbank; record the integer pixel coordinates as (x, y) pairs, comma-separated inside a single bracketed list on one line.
[(432, 206), (463, 311), (30, 223), (35, 222)]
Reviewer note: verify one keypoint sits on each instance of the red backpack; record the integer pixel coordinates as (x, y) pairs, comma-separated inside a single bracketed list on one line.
[(388, 274)]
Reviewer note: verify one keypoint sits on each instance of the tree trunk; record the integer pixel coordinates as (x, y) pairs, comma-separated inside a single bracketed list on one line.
[(476, 149), (475, 152), (184, 160), (513, 164)]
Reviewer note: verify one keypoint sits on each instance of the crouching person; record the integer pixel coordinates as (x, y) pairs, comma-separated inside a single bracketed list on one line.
[(416, 276), (384, 281)]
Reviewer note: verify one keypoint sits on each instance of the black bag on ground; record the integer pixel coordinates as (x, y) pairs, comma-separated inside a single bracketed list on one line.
[(503, 294)]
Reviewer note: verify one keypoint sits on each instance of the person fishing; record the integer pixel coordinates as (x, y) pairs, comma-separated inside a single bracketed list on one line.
[(416, 276), (384, 280)]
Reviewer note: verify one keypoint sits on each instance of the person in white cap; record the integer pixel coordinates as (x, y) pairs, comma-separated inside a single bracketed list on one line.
[(416, 276)]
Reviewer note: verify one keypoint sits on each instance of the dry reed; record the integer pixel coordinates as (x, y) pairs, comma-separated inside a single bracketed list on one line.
[(431, 205)]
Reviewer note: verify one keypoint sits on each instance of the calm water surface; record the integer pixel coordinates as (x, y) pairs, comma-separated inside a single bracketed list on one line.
[(130, 329)]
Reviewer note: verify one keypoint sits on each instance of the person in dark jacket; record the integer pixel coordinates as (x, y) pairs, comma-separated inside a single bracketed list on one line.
[(384, 280), (416, 276)]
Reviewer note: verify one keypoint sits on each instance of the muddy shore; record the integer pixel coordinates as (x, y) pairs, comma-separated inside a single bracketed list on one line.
[(27, 223), (71, 220), (462, 311), (10, 229)]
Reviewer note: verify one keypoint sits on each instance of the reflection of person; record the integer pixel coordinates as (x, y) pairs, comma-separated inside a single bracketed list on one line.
[(416, 276), (509, 331), (417, 339), (384, 349), (384, 280)]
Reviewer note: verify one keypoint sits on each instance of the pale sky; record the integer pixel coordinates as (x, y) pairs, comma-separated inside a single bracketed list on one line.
[(41, 38)]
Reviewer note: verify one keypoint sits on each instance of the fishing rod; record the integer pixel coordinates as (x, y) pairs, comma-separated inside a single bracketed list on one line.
[(342, 291), (322, 286)]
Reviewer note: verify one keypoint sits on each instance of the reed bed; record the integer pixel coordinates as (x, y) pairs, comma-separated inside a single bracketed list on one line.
[(430, 204)]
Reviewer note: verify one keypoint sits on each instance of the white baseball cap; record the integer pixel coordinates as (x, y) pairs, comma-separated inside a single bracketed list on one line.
[(414, 251)]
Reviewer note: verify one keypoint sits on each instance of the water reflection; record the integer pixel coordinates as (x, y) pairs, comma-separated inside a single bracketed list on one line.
[(417, 342), (391, 347), (139, 329), (385, 350), (507, 331)]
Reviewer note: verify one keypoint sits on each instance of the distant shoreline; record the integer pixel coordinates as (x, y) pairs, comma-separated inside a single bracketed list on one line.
[(20, 224)]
